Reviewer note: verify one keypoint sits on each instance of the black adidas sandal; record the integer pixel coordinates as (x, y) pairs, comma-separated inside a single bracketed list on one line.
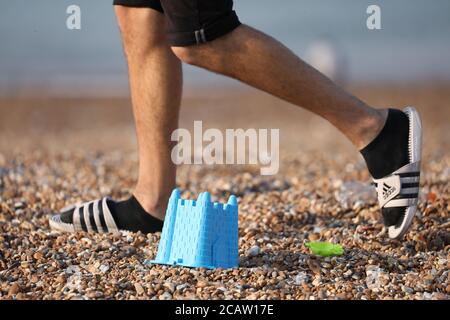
[(93, 216), (401, 188), (106, 216)]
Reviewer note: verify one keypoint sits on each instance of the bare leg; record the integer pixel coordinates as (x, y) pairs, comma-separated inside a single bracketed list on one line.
[(262, 62), (156, 82)]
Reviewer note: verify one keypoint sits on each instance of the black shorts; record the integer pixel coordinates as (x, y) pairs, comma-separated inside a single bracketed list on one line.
[(191, 22)]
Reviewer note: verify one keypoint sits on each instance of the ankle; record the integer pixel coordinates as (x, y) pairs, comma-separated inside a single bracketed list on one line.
[(153, 203), (390, 148), (370, 127)]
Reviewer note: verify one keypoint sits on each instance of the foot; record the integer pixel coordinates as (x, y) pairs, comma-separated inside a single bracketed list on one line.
[(106, 216), (393, 159)]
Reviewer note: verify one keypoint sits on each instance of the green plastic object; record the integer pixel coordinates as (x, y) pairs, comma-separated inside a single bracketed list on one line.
[(325, 249)]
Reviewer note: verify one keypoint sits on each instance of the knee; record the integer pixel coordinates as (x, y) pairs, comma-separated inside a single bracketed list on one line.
[(190, 54), (142, 30)]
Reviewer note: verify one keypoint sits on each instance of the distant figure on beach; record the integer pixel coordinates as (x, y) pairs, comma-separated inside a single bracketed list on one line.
[(324, 55), (158, 35)]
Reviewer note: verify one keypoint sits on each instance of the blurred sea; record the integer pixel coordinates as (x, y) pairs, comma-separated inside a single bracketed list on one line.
[(37, 50)]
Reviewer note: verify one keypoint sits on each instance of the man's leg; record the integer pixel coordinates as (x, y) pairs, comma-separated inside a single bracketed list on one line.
[(389, 140), (156, 82), (262, 62)]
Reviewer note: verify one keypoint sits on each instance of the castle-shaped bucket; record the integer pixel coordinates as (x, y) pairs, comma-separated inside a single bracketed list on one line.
[(199, 234)]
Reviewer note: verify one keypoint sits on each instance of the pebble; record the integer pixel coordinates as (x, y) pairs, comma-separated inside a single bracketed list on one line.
[(254, 251), (14, 289), (61, 279), (313, 236), (72, 269), (38, 255), (314, 266), (103, 268), (170, 286), (180, 287), (301, 278), (165, 296), (202, 284), (427, 296), (348, 273), (139, 289), (317, 281)]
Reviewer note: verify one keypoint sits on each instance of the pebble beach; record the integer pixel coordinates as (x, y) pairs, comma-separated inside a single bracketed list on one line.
[(50, 158)]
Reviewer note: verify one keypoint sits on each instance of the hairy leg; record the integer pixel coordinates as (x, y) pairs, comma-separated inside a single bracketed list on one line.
[(262, 62), (156, 82)]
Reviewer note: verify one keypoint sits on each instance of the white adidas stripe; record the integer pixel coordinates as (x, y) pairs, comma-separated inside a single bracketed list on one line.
[(401, 203), (87, 219), (97, 217), (409, 179), (110, 223), (409, 191), (76, 219)]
